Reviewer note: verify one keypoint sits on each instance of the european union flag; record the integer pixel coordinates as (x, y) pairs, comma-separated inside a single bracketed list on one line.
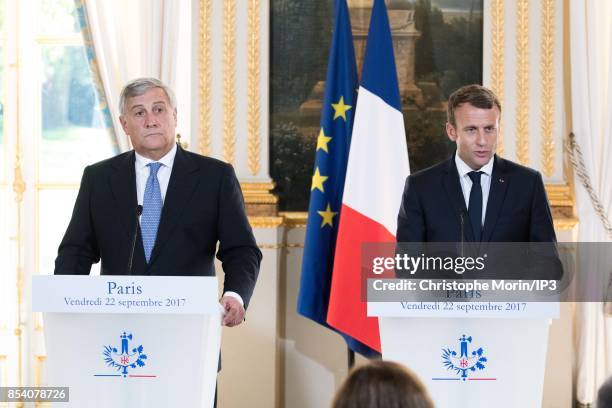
[(331, 158)]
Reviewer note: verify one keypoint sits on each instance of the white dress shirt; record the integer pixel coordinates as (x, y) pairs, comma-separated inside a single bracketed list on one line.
[(466, 182), (163, 176)]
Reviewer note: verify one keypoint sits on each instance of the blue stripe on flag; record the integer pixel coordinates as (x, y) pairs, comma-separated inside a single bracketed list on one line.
[(379, 75)]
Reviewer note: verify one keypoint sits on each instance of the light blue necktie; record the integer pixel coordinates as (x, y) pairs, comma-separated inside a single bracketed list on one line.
[(151, 210)]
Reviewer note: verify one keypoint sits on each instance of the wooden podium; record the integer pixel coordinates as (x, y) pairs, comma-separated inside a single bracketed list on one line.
[(470, 354), (131, 341)]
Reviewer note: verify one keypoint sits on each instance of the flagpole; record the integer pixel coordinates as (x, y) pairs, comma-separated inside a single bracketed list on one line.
[(351, 358)]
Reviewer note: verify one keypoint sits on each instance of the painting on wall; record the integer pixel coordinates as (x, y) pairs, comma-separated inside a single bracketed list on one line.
[(438, 48)]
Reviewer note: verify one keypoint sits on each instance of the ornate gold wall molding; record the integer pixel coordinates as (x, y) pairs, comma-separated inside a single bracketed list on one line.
[(19, 188), (259, 200), (266, 222), (547, 80), (522, 81), (253, 79), (497, 67), (295, 219), (229, 79), (205, 62), (38, 371), (291, 219), (258, 193), (280, 246), (561, 224), (560, 195), (19, 185)]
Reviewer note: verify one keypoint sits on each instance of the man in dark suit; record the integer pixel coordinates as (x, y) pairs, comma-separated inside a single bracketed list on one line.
[(160, 210), (475, 196)]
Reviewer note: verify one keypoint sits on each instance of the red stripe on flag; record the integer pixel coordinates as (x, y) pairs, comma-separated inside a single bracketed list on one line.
[(347, 310)]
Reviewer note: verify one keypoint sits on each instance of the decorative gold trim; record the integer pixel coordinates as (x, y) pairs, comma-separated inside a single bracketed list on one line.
[(547, 73), (266, 222), (40, 360), (295, 219), (565, 223), (288, 219), (229, 86), (497, 69), (280, 246), (560, 195), (19, 187), (522, 81), (258, 193), (263, 198), (258, 186), (204, 62), (253, 94)]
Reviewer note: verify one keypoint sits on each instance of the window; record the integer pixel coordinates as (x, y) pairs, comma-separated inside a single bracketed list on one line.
[(51, 126)]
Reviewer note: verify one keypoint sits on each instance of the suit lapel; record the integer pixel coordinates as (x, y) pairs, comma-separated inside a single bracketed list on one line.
[(497, 194), (123, 187), (181, 186), (455, 196)]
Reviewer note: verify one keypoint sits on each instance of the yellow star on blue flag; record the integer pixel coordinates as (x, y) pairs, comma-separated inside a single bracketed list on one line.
[(328, 216), (340, 109)]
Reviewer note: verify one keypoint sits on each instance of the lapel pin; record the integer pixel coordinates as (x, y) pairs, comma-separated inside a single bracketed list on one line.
[(501, 180)]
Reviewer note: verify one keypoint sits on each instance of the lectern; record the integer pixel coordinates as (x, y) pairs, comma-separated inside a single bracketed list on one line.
[(470, 354), (131, 341)]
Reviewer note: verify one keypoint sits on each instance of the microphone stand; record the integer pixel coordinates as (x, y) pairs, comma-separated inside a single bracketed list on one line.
[(134, 237)]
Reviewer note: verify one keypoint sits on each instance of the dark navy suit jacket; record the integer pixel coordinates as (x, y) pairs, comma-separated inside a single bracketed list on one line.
[(203, 206), (517, 209), (433, 209)]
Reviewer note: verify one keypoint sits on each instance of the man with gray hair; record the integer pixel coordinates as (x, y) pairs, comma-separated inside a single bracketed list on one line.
[(159, 209)]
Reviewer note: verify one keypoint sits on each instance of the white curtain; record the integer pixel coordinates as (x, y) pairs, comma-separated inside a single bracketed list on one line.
[(140, 38), (591, 86)]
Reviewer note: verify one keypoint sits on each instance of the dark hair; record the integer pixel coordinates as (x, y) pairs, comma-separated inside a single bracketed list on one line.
[(382, 384), (604, 396), (476, 95)]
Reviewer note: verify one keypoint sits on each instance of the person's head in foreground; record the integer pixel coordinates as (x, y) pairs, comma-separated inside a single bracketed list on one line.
[(604, 397), (382, 384)]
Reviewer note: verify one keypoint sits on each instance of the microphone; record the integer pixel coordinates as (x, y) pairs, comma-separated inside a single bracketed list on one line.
[(138, 213)]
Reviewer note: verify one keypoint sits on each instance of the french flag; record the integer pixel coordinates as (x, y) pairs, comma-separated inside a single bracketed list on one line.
[(376, 171)]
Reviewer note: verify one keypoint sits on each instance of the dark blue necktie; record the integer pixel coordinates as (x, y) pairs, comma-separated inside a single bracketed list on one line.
[(475, 204)]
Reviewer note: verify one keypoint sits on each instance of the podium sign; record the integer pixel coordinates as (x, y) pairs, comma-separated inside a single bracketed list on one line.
[(492, 355), (131, 341)]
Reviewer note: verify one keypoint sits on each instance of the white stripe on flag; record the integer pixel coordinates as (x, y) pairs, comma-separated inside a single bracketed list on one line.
[(378, 163)]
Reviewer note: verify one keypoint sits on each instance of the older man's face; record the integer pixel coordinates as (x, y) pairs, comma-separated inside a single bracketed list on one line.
[(150, 122)]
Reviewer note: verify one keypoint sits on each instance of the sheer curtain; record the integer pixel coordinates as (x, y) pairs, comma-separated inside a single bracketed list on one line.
[(139, 38), (591, 86)]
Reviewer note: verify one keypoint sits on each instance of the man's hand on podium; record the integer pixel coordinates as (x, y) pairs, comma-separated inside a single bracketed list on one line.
[(234, 311)]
